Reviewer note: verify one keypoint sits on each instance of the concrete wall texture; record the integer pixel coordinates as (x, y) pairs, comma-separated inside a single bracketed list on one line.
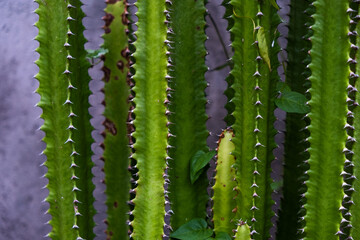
[(21, 184)]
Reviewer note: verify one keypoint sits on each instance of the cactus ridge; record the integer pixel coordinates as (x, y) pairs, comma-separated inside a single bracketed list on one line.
[(116, 140), (150, 120), (82, 134), (252, 81), (351, 176), (329, 80), (66, 119), (187, 121), (348, 171)]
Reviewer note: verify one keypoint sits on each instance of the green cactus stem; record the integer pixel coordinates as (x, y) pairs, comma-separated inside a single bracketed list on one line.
[(150, 122), (295, 135), (186, 37), (116, 143), (329, 81), (252, 92), (64, 91), (224, 195)]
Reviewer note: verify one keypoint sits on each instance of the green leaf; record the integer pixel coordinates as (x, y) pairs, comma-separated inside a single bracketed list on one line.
[(292, 102), (222, 236), (263, 47), (282, 87), (195, 229), (96, 53), (198, 162), (273, 2)]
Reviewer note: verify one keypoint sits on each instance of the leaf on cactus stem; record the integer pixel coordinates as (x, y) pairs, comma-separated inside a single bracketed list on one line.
[(195, 229), (198, 163), (292, 102), (263, 47), (273, 2)]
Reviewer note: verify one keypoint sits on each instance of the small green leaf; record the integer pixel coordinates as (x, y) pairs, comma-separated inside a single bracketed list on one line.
[(273, 2), (282, 87), (91, 54), (263, 47), (222, 236), (195, 229), (292, 102), (198, 162), (276, 185)]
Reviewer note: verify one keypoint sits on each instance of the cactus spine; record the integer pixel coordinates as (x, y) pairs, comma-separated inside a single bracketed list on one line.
[(116, 143), (329, 81), (186, 38), (63, 87), (150, 119)]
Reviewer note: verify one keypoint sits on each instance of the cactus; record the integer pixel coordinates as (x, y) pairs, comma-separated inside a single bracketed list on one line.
[(295, 155), (242, 232), (329, 80), (64, 91), (186, 38), (150, 122), (224, 195), (155, 122), (116, 151), (253, 91)]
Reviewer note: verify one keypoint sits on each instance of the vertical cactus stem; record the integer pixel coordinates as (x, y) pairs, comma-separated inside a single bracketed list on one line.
[(254, 77), (62, 59), (186, 54), (296, 135), (257, 104), (150, 119), (118, 127), (80, 126), (329, 80), (70, 129), (354, 210), (224, 195)]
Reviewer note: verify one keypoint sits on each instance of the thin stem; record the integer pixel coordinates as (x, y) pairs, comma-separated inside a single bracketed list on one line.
[(220, 38)]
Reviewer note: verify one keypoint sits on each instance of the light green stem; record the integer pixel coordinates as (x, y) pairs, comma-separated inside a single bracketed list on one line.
[(329, 80), (116, 143), (150, 120), (64, 91)]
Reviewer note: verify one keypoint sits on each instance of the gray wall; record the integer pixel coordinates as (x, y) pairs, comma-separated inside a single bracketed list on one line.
[(21, 187)]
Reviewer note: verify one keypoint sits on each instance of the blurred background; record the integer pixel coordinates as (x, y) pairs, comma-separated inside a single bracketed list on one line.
[(22, 210)]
